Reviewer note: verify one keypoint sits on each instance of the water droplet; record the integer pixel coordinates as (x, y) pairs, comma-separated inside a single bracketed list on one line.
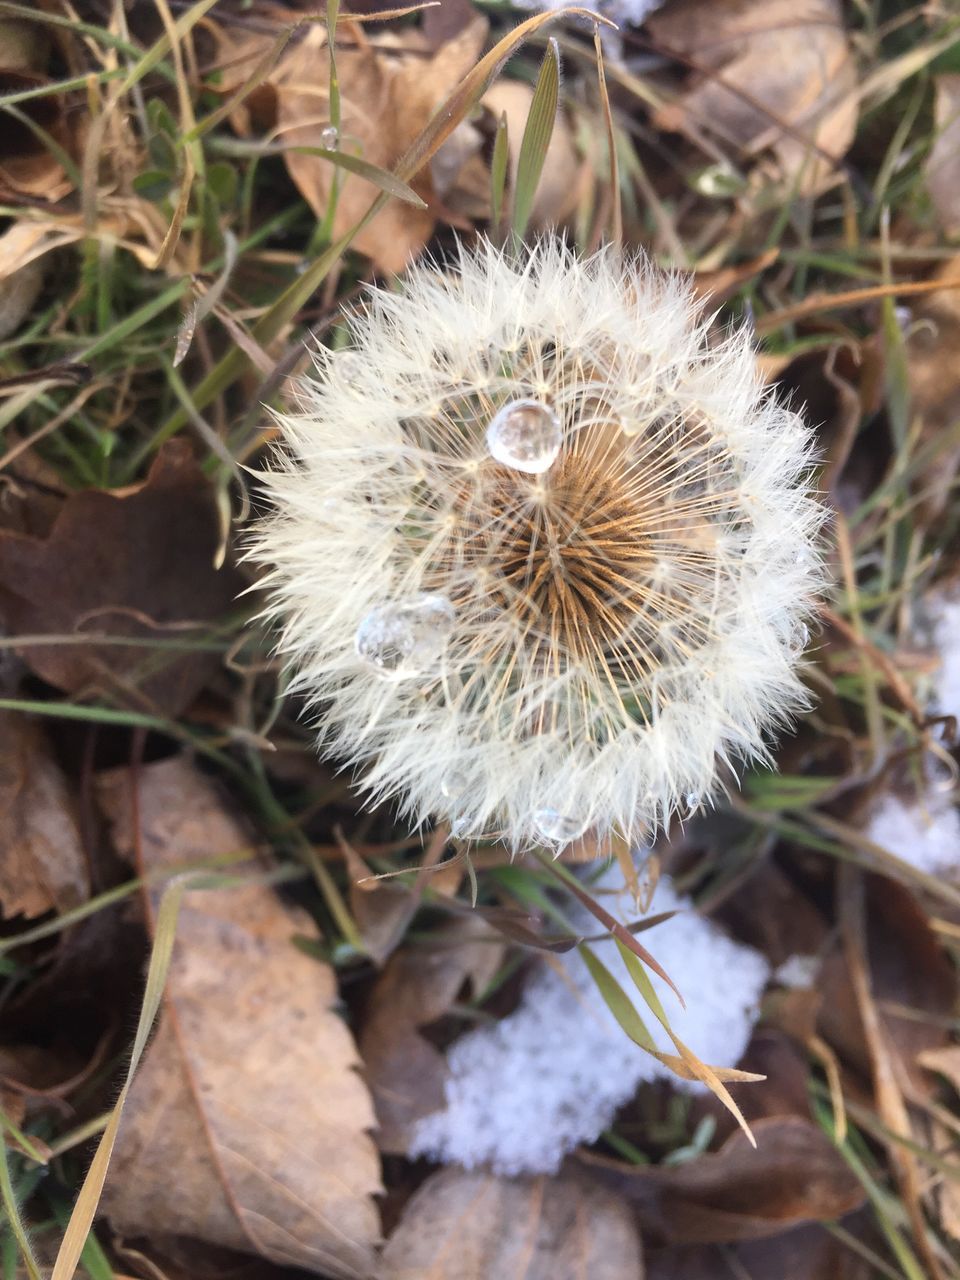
[(692, 801), (799, 638), (329, 137), (453, 785), (525, 435), (402, 639), (560, 828), (803, 559)]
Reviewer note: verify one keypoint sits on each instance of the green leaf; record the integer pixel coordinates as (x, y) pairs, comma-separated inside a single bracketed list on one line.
[(536, 138), (498, 173), (617, 1001)]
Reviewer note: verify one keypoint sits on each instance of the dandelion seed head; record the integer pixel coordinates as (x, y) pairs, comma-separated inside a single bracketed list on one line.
[(615, 517)]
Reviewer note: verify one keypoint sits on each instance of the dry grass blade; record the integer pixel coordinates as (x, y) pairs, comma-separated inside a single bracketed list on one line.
[(616, 207), (450, 114), (618, 931), (889, 1096), (701, 1071), (85, 1209)]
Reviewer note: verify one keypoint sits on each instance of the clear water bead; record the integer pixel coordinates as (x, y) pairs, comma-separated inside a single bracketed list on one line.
[(403, 639), (329, 137), (799, 638), (558, 827), (525, 435), (453, 785), (692, 801)]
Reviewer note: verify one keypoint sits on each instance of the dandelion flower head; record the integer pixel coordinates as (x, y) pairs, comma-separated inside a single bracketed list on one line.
[(542, 547)]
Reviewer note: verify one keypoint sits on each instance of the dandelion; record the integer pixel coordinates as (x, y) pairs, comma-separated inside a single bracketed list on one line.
[(542, 547)]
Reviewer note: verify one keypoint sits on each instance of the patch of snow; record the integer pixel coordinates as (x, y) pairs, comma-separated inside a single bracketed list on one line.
[(943, 619), (926, 836), (799, 973), (525, 1090)]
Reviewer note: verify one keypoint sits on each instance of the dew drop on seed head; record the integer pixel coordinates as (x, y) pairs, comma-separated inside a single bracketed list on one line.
[(329, 137), (799, 638), (556, 826), (692, 802), (403, 639), (453, 785), (525, 435)]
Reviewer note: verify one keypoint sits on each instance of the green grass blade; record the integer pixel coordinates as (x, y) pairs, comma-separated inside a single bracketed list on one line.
[(617, 1000), (498, 174), (14, 1220), (536, 138)]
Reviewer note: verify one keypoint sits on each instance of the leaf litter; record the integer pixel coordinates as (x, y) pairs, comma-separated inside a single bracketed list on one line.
[(799, 159)]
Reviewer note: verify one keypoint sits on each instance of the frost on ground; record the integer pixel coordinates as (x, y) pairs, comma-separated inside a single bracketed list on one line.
[(927, 836), (943, 621), (524, 1091), (925, 832)]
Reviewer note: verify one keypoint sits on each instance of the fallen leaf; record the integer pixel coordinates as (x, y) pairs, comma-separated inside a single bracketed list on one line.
[(135, 562), (944, 1061), (942, 169), (42, 862), (389, 92), (24, 46), (248, 1124), (21, 277), (417, 987), (382, 908), (473, 1226), (27, 166), (912, 982), (777, 75), (806, 1253), (795, 1175)]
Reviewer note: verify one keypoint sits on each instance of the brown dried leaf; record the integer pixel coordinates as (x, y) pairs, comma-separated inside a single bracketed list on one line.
[(795, 1175), (806, 1253), (473, 1226), (42, 862), (778, 75), (912, 982), (388, 95), (126, 562), (247, 1125), (945, 1061), (24, 46), (943, 163), (418, 986), (27, 167)]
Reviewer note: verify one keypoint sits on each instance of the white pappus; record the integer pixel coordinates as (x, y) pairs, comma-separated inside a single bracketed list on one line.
[(541, 547)]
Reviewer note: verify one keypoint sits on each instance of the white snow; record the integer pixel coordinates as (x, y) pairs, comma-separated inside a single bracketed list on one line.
[(943, 617), (527, 1089), (799, 973), (927, 836), (925, 832)]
